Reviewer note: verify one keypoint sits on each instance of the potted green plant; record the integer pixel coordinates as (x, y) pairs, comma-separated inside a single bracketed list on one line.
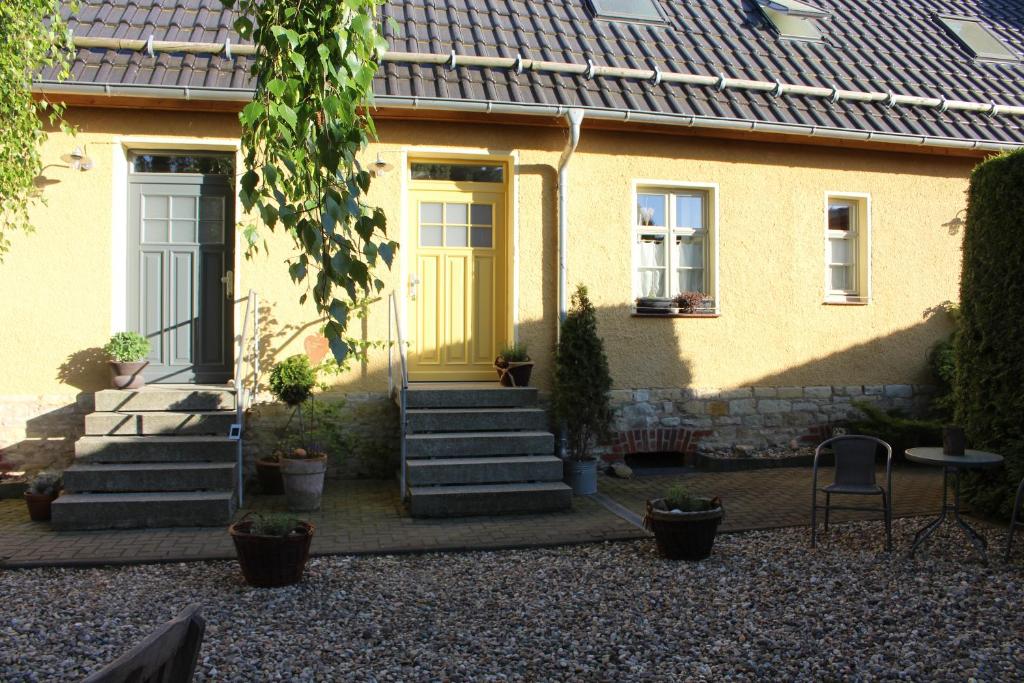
[(303, 467), (684, 525), (127, 351), (514, 366), (582, 383), (42, 491), (272, 549)]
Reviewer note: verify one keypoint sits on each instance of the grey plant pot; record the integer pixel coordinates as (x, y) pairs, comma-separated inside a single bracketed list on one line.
[(127, 375), (582, 476), (303, 482)]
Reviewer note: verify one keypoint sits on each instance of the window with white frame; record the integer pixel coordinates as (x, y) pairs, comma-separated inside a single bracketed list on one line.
[(846, 248), (673, 242)]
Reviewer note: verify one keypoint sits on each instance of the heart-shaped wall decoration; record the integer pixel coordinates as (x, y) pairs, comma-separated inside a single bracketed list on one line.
[(317, 347)]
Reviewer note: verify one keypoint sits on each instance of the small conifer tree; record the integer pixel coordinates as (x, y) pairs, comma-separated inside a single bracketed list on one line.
[(582, 380)]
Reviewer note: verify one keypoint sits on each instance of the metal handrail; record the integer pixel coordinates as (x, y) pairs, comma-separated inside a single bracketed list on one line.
[(243, 395), (397, 339)]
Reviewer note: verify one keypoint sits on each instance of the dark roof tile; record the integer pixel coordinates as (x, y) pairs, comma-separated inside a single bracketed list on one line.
[(868, 45)]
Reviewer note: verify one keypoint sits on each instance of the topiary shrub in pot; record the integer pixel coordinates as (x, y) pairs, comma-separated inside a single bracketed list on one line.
[(127, 351), (684, 525), (272, 549), (302, 468), (582, 383), (514, 366), (42, 491)]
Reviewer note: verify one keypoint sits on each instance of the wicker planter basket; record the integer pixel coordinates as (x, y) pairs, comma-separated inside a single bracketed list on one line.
[(271, 561), (683, 535)]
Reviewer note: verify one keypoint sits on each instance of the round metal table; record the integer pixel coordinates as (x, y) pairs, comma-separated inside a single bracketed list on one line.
[(952, 465)]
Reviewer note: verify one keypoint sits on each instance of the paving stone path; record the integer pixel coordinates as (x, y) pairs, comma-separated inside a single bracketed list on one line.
[(360, 517)]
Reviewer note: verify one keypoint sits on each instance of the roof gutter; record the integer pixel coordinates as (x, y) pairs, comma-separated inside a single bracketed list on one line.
[(543, 110)]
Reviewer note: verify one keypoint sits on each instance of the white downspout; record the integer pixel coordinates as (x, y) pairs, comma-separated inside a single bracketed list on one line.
[(574, 117)]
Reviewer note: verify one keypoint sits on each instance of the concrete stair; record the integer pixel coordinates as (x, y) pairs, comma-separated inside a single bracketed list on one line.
[(154, 457), (480, 449)]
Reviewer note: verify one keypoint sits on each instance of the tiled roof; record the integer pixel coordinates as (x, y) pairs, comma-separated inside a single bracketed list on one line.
[(871, 45)]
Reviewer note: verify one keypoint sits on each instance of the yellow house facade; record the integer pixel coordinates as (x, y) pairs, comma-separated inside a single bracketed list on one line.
[(822, 254)]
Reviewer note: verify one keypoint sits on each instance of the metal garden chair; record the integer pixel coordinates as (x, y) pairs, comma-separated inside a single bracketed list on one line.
[(854, 476), (1014, 519), (168, 655)]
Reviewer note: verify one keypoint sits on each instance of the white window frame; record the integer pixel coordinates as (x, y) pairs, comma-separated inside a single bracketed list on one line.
[(860, 236), (670, 187)]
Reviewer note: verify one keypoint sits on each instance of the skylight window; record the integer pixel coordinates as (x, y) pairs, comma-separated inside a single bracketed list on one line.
[(627, 10), (977, 38), (792, 19)]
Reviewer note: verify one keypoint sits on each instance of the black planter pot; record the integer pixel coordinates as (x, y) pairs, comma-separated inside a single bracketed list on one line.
[(683, 535), (954, 440), (39, 505)]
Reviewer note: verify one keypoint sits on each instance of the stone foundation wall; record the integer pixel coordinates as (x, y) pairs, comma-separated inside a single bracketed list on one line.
[(365, 445), (687, 420), (39, 432)]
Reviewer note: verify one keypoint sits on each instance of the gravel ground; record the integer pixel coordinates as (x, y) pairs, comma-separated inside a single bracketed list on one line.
[(764, 607)]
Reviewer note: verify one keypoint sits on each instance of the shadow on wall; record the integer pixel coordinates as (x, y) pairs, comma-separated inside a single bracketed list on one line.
[(85, 370), (912, 346)]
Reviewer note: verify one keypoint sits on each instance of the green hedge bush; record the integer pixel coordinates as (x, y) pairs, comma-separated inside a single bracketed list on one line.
[(989, 347)]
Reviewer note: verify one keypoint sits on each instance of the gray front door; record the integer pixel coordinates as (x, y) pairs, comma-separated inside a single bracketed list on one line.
[(180, 257)]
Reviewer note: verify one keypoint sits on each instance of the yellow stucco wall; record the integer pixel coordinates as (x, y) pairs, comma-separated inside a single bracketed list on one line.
[(773, 330)]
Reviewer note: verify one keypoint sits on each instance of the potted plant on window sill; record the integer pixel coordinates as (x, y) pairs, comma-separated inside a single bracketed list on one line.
[(648, 305), (514, 366), (272, 549), (582, 383), (684, 525), (127, 351), (302, 468), (42, 491), (690, 303)]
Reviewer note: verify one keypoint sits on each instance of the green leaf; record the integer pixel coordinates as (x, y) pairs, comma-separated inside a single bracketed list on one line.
[(251, 112), (297, 271), (339, 311), (298, 60), (277, 87)]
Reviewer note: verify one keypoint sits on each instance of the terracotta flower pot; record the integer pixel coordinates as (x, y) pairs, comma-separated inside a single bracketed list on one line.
[(39, 505), (304, 482), (270, 561), (127, 375), (268, 473)]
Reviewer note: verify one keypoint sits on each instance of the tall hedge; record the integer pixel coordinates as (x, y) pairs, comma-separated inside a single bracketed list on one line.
[(989, 348)]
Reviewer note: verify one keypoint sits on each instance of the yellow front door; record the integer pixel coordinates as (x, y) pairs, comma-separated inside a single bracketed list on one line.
[(457, 280)]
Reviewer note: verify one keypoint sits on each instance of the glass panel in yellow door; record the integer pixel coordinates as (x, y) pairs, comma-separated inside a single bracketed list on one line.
[(457, 297)]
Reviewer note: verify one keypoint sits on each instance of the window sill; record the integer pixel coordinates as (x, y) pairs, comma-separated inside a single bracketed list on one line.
[(845, 301), (675, 315)]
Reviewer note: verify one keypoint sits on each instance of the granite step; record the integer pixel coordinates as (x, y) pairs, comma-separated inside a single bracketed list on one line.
[(166, 398), (159, 422), (149, 477), (489, 499), (470, 395), (500, 470), (155, 449), (476, 419), (479, 444), (82, 511)]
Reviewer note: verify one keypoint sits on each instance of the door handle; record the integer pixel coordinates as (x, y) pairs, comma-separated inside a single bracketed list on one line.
[(414, 282), (229, 284)]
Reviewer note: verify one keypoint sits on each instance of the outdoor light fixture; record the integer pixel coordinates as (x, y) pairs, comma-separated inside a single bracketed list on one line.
[(77, 160), (379, 167)]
